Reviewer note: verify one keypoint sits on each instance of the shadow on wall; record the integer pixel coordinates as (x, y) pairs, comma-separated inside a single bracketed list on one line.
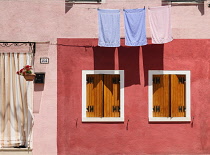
[(129, 62), (38, 87), (200, 5), (38, 90), (201, 8), (68, 5), (104, 58), (152, 59)]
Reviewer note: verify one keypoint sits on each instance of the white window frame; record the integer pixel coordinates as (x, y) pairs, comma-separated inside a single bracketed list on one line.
[(150, 97), (103, 119)]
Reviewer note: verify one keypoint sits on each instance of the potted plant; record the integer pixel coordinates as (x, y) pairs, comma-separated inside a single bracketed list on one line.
[(26, 71)]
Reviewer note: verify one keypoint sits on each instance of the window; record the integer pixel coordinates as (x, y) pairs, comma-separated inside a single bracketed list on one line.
[(102, 96), (169, 95), (183, 1)]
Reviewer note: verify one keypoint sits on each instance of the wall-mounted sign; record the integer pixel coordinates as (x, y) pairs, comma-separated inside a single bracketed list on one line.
[(39, 79), (44, 60)]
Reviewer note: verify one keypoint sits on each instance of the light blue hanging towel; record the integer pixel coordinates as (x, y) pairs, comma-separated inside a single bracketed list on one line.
[(109, 27), (135, 31)]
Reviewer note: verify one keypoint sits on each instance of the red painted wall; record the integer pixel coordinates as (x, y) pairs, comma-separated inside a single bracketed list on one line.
[(136, 136)]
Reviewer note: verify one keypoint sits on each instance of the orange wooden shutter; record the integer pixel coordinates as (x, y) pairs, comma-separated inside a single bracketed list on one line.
[(111, 95), (178, 95), (94, 95), (161, 98)]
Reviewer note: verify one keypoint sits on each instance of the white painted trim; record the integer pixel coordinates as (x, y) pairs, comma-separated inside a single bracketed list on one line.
[(103, 119), (150, 96), (169, 119)]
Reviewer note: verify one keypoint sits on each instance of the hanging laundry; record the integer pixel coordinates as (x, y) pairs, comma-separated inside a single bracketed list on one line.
[(135, 31), (109, 27), (160, 24)]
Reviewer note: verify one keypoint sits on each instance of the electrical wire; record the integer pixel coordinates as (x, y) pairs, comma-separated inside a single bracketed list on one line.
[(86, 46)]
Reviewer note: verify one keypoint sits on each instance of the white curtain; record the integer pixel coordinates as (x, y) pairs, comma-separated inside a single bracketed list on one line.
[(16, 97)]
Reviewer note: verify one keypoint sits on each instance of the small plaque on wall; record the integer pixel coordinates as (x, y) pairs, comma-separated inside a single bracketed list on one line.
[(44, 60)]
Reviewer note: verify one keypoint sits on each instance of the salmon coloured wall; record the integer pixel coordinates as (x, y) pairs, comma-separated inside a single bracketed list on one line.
[(135, 135)]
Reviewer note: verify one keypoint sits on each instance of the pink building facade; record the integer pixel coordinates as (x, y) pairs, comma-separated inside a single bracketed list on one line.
[(67, 34)]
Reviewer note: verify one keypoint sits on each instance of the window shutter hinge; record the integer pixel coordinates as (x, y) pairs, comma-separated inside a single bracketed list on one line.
[(90, 79), (115, 80), (90, 109), (156, 108), (182, 80), (156, 80), (116, 108), (181, 109)]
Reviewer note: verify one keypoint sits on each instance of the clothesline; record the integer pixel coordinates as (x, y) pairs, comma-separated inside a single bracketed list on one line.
[(118, 9), (134, 22), (100, 8), (97, 8)]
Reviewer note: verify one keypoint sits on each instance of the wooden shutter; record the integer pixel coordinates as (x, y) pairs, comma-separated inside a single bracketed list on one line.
[(94, 95), (161, 97), (178, 95), (111, 95)]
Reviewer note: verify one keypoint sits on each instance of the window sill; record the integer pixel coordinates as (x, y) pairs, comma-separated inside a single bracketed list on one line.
[(169, 119), (84, 2), (15, 149), (103, 119), (182, 3)]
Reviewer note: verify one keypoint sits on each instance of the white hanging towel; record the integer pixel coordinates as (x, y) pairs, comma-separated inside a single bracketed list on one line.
[(109, 27), (160, 24)]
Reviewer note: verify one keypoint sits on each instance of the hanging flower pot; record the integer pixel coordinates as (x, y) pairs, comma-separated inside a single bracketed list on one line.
[(29, 77), (26, 71)]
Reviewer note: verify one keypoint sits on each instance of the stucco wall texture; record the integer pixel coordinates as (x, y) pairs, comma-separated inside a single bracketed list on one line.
[(136, 135), (47, 20)]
